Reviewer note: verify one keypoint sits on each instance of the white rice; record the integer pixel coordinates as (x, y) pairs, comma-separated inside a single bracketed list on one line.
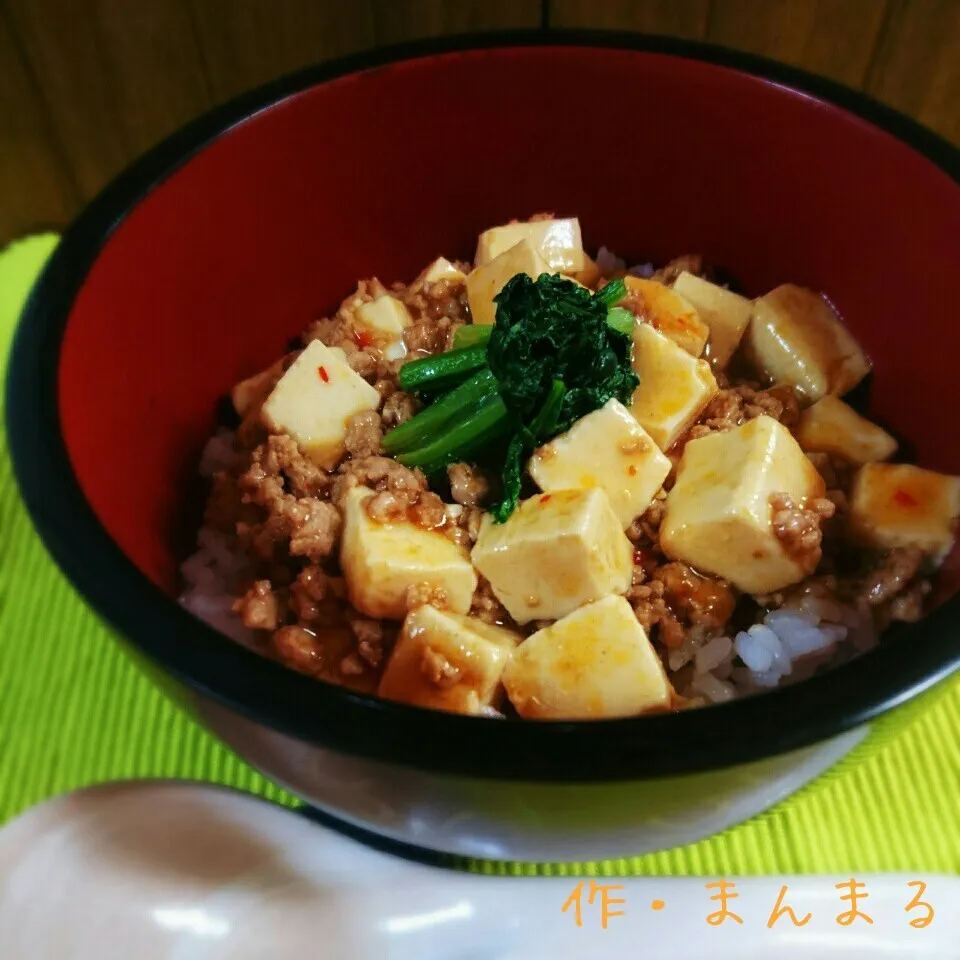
[(212, 573), (609, 262), (714, 690), (711, 655), (785, 646), (219, 453)]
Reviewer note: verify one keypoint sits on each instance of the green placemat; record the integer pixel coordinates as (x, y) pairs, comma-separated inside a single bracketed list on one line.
[(74, 711)]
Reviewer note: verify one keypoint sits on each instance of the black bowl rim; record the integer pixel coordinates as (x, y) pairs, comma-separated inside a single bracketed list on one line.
[(215, 667)]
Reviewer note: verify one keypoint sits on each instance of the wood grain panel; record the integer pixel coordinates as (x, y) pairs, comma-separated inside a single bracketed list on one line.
[(86, 85), (400, 20), (154, 63), (36, 190), (675, 18), (244, 43), (834, 38), (69, 61), (916, 67), (116, 76)]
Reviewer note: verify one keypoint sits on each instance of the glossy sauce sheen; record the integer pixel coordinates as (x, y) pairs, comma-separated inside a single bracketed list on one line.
[(796, 338)]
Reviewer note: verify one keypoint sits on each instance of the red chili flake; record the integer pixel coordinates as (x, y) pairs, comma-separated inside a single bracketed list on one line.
[(324, 376), (545, 497), (363, 338), (632, 470), (903, 499)]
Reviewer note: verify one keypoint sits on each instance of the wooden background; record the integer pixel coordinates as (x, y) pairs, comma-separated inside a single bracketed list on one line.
[(87, 85)]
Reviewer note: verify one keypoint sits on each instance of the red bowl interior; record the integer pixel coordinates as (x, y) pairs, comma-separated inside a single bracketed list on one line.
[(376, 173)]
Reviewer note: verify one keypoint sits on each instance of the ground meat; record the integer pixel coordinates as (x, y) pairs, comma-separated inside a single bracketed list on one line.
[(648, 603), (438, 670), (691, 262), (837, 473), (470, 521), (486, 606), (702, 601), (462, 524), (645, 529), (382, 473), (428, 512), (798, 528), (736, 405), (399, 408), (312, 592), (314, 528), (675, 599), (427, 335), (779, 402), (468, 484), (364, 434), (909, 605), (259, 607), (821, 589), (387, 506), (299, 648), (897, 568), (260, 486), (437, 308), (366, 362), (670, 631), (446, 298), (369, 634), (278, 466), (308, 525), (426, 595), (386, 387), (398, 488)]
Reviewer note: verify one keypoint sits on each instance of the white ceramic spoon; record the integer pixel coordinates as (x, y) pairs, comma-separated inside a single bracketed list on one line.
[(183, 872)]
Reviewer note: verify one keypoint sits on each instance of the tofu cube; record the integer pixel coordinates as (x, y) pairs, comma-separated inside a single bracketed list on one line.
[(557, 241), (440, 269), (667, 311), (795, 338), (314, 401), (556, 552), (589, 275), (596, 662), (718, 514), (900, 505), (832, 426), (249, 394), (675, 387), (606, 449), (384, 318), (725, 313), (486, 281), (448, 662), (381, 562)]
